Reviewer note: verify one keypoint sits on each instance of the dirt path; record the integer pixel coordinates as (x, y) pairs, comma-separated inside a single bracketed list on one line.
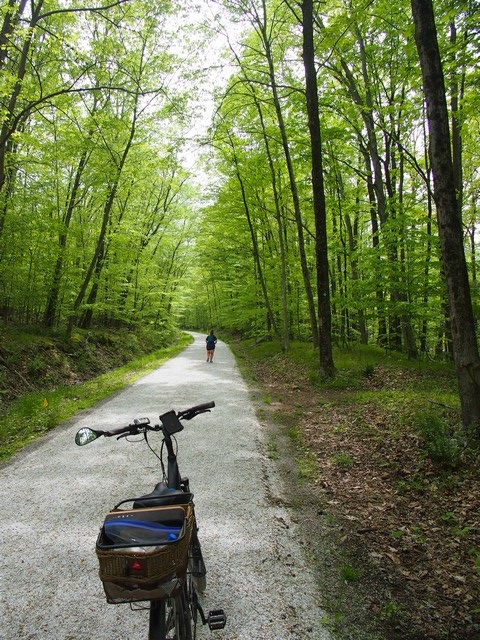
[(55, 495)]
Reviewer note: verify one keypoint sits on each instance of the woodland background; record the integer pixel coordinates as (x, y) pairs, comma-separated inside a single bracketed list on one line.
[(122, 203)]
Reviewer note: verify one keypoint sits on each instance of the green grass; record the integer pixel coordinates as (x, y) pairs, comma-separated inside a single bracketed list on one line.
[(32, 415), (349, 573), (272, 448), (343, 459), (307, 466), (306, 459), (391, 610)]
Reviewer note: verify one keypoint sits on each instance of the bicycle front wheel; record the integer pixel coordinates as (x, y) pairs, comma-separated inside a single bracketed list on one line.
[(171, 619)]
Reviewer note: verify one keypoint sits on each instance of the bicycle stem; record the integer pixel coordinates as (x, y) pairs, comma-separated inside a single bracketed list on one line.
[(173, 472)]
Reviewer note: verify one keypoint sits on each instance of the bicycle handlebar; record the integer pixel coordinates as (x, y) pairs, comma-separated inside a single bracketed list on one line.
[(143, 424)]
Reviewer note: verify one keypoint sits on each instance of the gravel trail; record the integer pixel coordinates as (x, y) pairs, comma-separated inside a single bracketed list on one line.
[(55, 494)]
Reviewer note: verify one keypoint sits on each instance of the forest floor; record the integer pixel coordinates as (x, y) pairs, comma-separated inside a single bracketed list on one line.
[(397, 536)]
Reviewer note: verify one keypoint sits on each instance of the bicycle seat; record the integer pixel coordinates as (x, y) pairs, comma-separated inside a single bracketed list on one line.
[(162, 496)]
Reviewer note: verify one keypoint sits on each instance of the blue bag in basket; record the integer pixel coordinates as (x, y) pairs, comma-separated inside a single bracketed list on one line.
[(138, 532)]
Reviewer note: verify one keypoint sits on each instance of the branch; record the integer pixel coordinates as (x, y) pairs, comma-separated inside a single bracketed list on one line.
[(81, 10), (46, 99)]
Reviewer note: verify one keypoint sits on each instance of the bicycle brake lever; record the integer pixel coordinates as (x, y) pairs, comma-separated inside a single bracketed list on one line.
[(128, 433), (189, 416), (193, 414)]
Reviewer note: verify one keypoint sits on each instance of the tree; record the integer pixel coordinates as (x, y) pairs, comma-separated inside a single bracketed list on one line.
[(253, 236), (319, 207), (86, 137), (254, 94), (465, 348), (26, 90), (260, 65)]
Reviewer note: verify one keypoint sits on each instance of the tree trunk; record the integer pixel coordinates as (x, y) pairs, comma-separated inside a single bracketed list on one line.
[(379, 294), (10, 124), (292, 180), (11, 19), (280, 230), (319, 206), (256, 252), (51, 308), (465, 348), (456, 88)]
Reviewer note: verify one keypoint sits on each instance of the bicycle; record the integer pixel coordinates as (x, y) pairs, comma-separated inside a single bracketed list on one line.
[(151, 552)]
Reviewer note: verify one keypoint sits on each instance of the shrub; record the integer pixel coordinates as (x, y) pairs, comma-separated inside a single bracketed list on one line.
[(442, 441)]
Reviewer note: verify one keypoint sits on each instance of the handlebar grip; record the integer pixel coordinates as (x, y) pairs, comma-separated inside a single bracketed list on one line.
[(198, 408), (203, 407)]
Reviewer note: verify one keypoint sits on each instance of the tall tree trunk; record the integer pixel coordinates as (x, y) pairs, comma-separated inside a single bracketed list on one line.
[(10, 124), (280, 230), (50, 314), (256, 252), (457, 84), (373, 165), (428, 248), (260, 22), (465, 348), (11, 19), (404, 293), (291, 176), (379, 293), (321, 247), (352, 233), (389, 331)]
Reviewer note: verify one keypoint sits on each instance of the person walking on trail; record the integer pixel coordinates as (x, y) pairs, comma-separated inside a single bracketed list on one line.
[(211, 342)]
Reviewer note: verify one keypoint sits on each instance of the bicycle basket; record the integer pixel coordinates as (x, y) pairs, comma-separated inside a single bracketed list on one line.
[(143, 553)]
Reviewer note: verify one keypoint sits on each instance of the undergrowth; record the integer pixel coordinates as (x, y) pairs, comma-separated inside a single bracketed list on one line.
[(418, 395), (44, 380)]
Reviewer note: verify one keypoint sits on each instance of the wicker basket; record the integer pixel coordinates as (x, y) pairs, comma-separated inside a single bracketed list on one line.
[(150, 572)]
